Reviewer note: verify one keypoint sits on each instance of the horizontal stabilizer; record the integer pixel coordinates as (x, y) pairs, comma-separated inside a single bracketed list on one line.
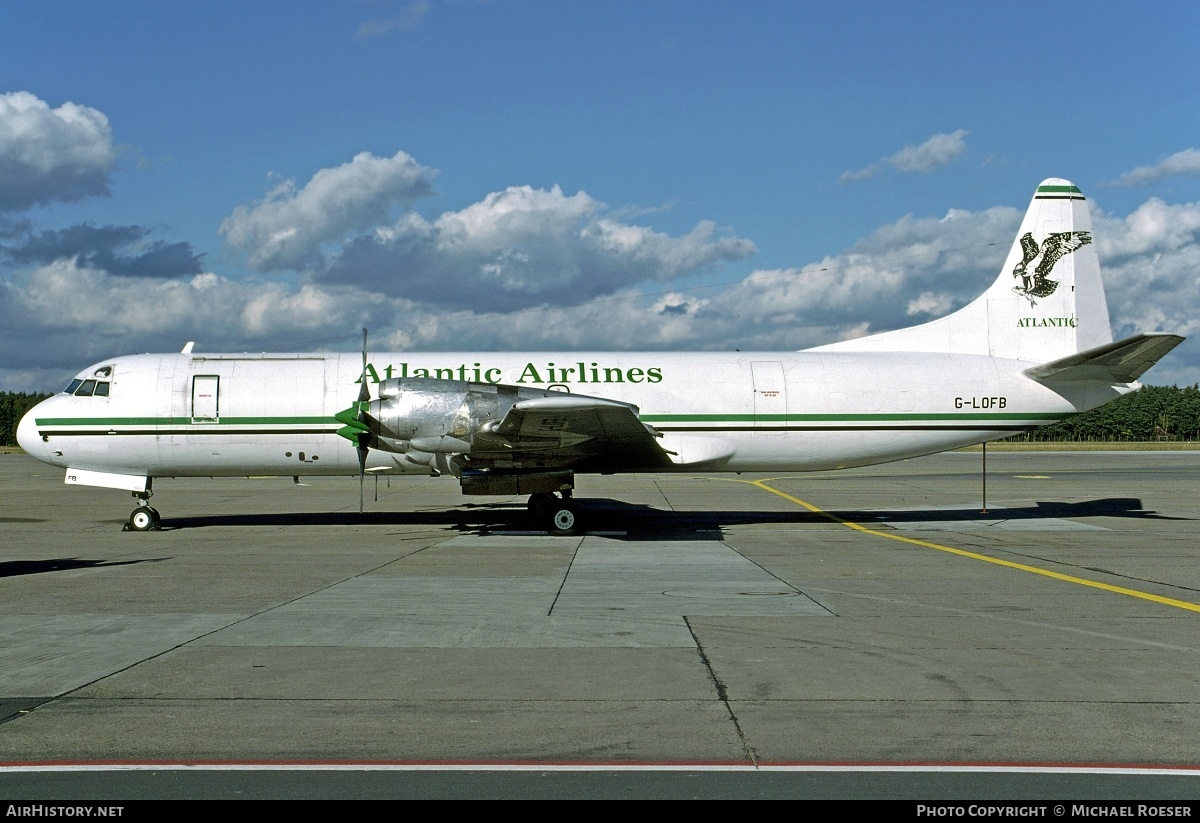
[(1121, 362)]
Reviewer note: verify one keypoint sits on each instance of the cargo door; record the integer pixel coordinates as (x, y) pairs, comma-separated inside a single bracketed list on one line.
[(206, 398)]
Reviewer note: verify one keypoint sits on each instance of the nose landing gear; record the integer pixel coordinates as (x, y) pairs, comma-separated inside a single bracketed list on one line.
[(145, 517)]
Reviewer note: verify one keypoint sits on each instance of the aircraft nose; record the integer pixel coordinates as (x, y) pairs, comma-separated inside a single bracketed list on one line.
[(28, 437)]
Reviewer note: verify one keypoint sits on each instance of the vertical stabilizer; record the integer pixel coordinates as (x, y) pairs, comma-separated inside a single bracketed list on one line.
[(1047, 303)]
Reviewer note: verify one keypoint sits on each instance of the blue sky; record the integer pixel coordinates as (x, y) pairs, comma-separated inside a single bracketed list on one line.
[(519, 174)]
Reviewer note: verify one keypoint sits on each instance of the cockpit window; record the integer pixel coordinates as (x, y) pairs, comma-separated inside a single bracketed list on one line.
[(81, 387)]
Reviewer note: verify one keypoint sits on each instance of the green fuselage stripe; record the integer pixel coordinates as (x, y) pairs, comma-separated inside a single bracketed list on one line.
[(175, 421), (285, 426), (851, 418)]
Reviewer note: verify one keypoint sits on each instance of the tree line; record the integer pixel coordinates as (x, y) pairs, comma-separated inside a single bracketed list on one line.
[(1150, 413), (13, 406)]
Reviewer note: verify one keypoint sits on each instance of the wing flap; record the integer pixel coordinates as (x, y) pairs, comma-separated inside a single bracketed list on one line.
[(574, 430), (1121, 362)]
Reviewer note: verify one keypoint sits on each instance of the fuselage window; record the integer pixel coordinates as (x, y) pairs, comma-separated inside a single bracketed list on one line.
[(102, 389), (86, 388), (74, 385)]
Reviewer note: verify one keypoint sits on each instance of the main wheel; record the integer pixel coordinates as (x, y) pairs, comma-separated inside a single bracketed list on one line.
[(563, 518), (540, 503), (143, 519)]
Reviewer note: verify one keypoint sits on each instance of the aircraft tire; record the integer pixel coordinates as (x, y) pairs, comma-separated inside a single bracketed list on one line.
[(143, 519), (563, 519), (540, 503)]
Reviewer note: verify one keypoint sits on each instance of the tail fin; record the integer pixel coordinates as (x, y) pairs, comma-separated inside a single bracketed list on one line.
[(1047, 303)]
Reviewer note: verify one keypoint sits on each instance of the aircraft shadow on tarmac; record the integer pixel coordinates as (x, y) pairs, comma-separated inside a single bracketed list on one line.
[(15, 568), (641, 522)]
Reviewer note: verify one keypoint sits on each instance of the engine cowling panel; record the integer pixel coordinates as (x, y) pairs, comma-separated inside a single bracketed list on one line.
[(440, 416)]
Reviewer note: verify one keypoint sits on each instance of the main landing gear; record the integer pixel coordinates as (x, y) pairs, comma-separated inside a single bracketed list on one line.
[(558, 514), (145, 517)]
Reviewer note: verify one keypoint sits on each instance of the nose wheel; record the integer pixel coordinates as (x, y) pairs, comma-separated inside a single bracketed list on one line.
[(145, 517)]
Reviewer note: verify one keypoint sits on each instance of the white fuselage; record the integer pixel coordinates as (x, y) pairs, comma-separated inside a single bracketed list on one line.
[(185, 415)]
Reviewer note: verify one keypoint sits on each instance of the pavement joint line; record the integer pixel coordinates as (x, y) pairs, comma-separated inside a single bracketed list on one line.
[(666, 500), (1080, 581), (450, 766), (722, 694), (563, 583)]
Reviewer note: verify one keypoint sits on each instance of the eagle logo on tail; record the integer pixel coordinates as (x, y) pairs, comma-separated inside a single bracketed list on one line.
[(1056, 246)]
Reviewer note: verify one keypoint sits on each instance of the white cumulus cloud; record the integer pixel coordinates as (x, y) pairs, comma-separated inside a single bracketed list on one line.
[(914, 265), (512, 247), (929, 303), (934, 153), (47, 155), (91, 313), (407, 18), (1181, 162), (1151, 265), (520, 245), (286, 230)]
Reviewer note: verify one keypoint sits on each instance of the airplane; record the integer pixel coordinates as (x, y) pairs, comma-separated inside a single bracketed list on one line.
[(1035, 348)]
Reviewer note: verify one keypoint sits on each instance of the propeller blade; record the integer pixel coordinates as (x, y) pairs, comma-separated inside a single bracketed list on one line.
[(364, 437), (364, 393), (362, 466)]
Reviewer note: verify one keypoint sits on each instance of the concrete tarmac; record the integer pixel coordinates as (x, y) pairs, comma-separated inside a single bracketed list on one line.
[(870, 616)]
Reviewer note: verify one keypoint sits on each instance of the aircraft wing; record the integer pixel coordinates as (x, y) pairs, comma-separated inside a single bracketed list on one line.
[(572, 431), (1121, 362)]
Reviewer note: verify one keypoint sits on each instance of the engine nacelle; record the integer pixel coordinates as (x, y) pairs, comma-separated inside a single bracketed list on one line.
[(421, 414)]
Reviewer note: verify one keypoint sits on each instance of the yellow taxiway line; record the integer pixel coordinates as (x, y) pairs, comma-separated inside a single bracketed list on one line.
[(1166, 601)]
